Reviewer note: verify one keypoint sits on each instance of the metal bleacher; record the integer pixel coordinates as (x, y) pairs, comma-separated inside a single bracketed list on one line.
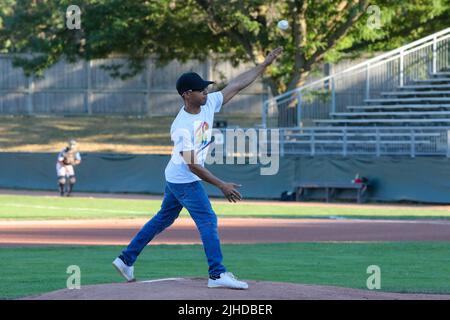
[(395, 104)]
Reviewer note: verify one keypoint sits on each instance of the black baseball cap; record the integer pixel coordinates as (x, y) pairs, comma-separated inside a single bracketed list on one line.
[(191, 81)]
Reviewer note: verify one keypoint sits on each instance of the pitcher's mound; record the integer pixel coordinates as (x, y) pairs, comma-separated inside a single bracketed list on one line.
[(196, 289)]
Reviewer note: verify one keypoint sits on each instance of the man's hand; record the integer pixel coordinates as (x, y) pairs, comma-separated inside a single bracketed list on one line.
[(230, 192), (245, 79), (228, 189), (272, 56)]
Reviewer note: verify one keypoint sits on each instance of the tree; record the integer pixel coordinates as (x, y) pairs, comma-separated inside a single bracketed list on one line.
[(235, 30)]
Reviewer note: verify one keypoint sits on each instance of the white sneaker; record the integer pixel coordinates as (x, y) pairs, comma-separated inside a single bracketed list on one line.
[(227, 280), (126, 271)]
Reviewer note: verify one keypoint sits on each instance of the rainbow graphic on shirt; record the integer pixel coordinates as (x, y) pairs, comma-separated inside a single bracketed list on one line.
[(201, 141), (201, 134)]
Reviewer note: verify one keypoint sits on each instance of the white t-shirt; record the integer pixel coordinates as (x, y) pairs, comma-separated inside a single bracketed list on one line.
[(192, 132)]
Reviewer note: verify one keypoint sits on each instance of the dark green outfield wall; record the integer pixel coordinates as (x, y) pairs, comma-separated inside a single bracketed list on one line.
[(424, 179)]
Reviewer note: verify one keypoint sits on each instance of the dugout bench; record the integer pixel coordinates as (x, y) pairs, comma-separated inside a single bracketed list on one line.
[(330, 188)]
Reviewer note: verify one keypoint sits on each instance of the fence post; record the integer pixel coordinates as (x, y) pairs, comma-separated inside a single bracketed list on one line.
[(447, 53), (434, 54), (448, 143), (281, 142), (377, 135), (264, 113), (413, 144), (299, 106), (367, 82), (88, 94), (333, 96), (313, 147), (264, 97), (344, 151), (30, 91), (401, 67), (147, 86)]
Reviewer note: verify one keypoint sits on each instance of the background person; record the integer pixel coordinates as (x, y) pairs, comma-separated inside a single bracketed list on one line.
[(67, 159)]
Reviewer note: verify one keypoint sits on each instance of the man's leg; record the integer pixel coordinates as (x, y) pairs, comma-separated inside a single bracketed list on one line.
[(61, 184), (196, 201), (70, 172), (72, 181), (61, 174), (170, 209)]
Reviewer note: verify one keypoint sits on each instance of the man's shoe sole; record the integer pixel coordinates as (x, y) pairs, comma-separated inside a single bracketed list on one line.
[(221, 286), (122, 274)]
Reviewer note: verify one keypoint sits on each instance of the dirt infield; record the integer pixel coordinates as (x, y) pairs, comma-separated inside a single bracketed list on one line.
[(232, 230), (195, 289)]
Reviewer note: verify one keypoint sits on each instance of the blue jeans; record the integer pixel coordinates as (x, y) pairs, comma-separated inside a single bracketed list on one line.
[(193, 197)]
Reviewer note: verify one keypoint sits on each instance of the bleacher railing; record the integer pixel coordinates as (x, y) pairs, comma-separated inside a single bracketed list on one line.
[(352, 86), (339, 141), (370, 141)]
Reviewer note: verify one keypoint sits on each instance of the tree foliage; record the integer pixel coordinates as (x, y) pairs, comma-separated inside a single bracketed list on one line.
[(235, 30)]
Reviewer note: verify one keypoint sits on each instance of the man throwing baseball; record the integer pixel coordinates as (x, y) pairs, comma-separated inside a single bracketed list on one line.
[(67, 159), (191, 134)]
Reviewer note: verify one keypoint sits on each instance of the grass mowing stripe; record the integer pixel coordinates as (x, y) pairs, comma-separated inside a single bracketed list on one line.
[(71, 209), (85, 208), (405, 266)]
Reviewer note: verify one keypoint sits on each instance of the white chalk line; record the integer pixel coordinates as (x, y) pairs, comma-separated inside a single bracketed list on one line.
[(15, 205), (377, 220), (159, 280)]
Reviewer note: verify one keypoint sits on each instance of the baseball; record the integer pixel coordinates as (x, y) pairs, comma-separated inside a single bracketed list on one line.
[(283, 24)]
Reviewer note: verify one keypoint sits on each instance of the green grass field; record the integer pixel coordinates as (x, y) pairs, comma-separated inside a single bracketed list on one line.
[(405, 266), (14, 207)]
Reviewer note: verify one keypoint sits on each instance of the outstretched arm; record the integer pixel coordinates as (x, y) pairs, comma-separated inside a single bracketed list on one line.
[(245, 79), (228, 189)]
